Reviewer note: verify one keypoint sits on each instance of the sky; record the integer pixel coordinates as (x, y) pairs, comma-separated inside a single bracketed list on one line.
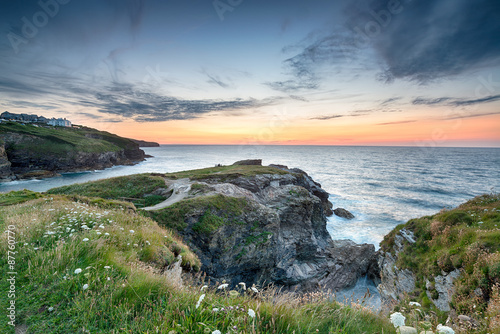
[(347, 72)]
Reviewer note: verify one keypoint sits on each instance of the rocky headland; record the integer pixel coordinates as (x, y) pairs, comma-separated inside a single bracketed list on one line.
[(28, 151), (261, 225)]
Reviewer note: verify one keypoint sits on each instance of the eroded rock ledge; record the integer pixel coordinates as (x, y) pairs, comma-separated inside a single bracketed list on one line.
[(267, 226)]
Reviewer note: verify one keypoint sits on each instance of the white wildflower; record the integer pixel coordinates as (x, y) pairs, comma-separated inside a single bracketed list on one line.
[(397, 319), (251, 313), (444, 329), (85, 287), (200, 300), (415, 304), (107, 267), (98, 233), (85, 239), (243, 285), (215, 309), (223, 286), (203, 287), (132, 231), (77, 271), (51, 309), (254, 289), (216, 332), (106, 233)]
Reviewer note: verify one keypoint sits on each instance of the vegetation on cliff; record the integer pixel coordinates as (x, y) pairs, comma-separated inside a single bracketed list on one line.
[(63, 140), (86, 268), (466, 239), (30, 151), (138, 188)]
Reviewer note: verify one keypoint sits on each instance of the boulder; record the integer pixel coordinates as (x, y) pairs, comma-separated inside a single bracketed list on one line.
[(343, 213)]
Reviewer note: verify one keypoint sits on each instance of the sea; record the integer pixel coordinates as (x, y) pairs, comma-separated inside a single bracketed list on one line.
[(381, 186)]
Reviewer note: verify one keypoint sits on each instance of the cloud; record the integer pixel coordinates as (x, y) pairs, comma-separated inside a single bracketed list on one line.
[(216, 80), (128, 101), (429, 39), (454, 102), (472, 115), (390, 100), (430, 101), (487, 99), (355, 113), (419, 41), (325, 118)]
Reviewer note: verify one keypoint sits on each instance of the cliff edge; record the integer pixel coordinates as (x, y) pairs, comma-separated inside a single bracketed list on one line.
[(30, 151)]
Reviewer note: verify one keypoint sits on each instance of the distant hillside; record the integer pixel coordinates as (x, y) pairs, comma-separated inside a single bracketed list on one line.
[(143, 143), (28, 151)]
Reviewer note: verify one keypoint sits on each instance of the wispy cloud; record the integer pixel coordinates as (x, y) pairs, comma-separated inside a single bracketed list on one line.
[(455, 102), (460, 116)]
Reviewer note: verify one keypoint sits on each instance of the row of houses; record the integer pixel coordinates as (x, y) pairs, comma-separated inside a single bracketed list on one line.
[(26, 118)]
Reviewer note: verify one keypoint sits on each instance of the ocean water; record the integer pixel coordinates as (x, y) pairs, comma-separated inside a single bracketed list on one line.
[(381, 186)]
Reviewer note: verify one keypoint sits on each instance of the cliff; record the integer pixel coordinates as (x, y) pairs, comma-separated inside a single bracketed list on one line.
[(261, 225), (36, 151), (448, 262), (143, 143)]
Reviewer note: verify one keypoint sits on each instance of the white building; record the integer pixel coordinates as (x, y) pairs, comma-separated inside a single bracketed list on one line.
[(59, 122)]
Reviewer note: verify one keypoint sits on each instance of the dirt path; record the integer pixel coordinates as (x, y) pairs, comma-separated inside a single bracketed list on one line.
[(180, 191)]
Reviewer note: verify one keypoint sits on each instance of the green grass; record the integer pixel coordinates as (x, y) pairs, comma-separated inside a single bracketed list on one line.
[(225, 172), (126, 291), (63, 141), (15, 197), (129, 187), (212, 211), (466, 238)]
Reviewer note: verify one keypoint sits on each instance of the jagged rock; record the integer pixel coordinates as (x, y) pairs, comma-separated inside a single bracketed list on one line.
[(249, 162), (279, 238), (443, 284), (174, 272), (5, 172), (343, 213), (394, 281)]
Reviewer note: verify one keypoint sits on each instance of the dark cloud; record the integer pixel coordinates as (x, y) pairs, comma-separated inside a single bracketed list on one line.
[(429, 39), (430, 101), (415, 40), (316, 50), (454, 102), (125, 100), (477, 101)]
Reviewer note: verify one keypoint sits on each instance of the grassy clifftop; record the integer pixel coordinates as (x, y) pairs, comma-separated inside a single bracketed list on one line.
[(89, 268), (61, 140), (467, 239)]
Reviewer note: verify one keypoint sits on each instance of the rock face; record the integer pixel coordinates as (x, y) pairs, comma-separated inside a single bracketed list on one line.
[(279, 237), (26, 162), (5, 172), (396, 282)]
